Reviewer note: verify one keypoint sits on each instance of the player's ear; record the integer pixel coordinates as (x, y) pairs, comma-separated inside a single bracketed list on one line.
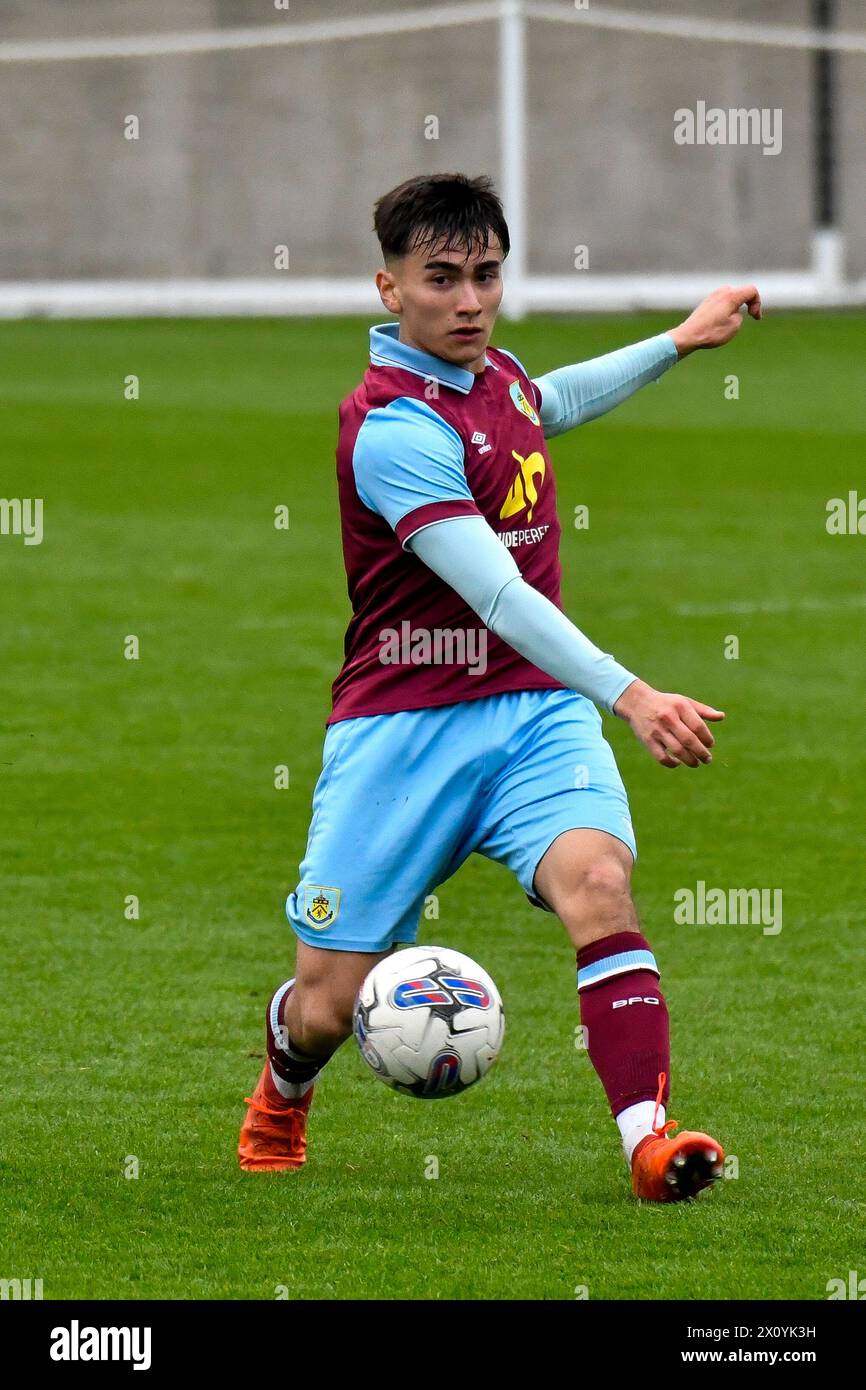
[(389, 291)]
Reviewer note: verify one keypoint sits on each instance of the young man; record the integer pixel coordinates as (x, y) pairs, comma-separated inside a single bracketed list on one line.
[(466, 704)]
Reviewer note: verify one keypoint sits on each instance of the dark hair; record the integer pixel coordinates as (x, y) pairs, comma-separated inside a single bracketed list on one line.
[(431, 208)]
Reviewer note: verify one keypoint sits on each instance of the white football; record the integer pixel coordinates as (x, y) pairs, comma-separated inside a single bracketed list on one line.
[(429, 1021)]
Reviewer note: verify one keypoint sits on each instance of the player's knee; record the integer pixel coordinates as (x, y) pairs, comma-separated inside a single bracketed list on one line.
[(598, 893), (606, 877)]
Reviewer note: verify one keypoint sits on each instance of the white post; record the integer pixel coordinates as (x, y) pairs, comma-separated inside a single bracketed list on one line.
[(828, 263), (512, 149)]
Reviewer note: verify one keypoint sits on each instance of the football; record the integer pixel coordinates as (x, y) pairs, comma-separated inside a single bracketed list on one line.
[(429, 1021)]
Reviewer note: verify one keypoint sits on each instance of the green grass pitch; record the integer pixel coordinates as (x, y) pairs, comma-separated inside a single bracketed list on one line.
[(137, 1039)]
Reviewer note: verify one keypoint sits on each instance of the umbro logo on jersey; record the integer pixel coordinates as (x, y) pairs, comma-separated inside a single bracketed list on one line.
[(480, 440)]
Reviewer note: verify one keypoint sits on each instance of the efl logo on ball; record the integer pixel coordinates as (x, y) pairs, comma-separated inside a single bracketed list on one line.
[(429, 1021)]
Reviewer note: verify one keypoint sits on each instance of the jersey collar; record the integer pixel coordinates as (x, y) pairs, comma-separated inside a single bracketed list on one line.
[(386, 350)]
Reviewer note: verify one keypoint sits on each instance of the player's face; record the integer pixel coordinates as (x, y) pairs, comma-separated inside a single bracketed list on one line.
[(447, 301)]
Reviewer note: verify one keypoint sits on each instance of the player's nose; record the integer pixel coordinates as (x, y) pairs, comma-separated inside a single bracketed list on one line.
[(468, 301)]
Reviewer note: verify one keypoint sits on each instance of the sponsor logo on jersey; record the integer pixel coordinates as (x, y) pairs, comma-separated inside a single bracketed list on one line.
[(321, 905), (529, 535), (523, 492), (518, 397)]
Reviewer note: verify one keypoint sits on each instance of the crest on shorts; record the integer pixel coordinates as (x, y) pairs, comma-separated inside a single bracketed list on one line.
[(321, 905), (518, 397)]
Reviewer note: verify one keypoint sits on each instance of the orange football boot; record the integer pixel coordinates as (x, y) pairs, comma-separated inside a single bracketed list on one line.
[(674, 1169), (273, 1135)]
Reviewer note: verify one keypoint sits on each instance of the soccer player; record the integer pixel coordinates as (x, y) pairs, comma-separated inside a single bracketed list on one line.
[(464, 717)]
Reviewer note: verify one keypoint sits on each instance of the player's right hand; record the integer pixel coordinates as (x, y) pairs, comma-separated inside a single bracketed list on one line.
[(717, 318), (671, 727)]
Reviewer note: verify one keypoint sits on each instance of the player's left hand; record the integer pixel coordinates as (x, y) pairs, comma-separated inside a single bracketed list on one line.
[(717, 318), (673, 728)]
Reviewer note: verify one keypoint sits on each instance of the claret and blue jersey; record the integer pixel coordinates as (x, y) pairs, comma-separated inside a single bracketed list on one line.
[(422, 441)]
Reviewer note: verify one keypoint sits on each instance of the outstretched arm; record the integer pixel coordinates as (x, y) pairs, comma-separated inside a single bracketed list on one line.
[(468, 555), (575, 394)]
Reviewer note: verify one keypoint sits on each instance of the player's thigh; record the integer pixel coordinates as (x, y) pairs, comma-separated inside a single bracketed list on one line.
[(559, 776), (390, 808)]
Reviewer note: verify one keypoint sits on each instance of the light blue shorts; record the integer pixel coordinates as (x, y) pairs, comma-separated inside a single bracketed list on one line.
[(403, 799)]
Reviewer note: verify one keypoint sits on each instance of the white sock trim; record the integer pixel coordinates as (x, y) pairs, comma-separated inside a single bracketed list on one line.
[(290, 1090), (636, 1122), (276, 1009)]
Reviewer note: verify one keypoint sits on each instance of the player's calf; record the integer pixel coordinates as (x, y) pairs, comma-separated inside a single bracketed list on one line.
[(626, 1026), (585, 878), (317, 1021)]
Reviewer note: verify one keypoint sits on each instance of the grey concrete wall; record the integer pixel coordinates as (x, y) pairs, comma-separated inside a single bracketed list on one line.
[(852, 141), (608, 173), (241, 151)]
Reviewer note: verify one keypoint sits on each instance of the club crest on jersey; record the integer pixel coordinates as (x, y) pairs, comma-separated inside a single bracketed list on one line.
[(518, 396), (321, 905), (523, 492)]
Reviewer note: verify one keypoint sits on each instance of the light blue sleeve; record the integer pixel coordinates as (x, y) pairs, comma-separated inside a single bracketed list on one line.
[(573, 395), (468, 555), (406, 456)]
